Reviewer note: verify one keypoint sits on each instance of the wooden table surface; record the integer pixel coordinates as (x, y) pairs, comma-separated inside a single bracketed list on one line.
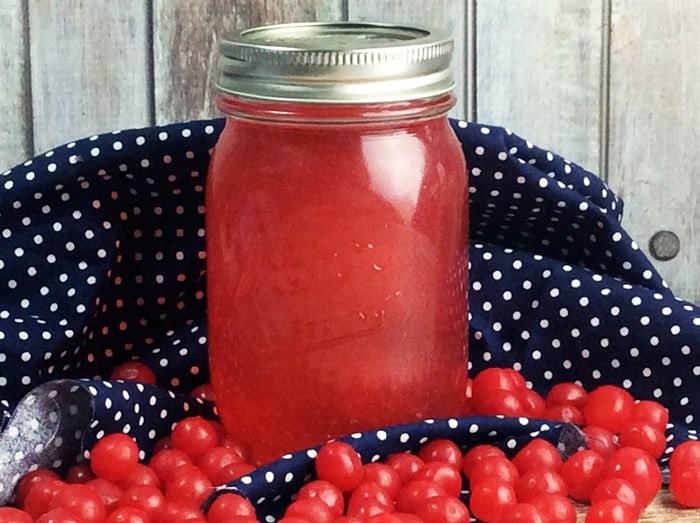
[(662, 510)]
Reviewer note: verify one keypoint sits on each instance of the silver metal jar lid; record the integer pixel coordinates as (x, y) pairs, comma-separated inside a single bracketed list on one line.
[(339, 62)]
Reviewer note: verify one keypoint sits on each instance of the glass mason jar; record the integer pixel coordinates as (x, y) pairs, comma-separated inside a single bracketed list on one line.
[(336, 215)]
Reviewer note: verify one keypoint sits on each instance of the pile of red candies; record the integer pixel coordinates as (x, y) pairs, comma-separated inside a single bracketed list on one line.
[(616, 473), (114, 487)]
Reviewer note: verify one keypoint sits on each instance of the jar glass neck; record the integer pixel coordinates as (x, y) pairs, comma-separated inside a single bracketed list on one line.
[(333, 113)]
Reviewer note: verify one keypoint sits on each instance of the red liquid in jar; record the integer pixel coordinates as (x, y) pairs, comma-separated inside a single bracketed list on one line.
[(336, 271)]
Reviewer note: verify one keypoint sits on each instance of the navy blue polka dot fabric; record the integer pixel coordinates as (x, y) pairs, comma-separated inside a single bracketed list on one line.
[(102, 261)]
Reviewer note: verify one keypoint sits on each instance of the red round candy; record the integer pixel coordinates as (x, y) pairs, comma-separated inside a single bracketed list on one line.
[(500, 402), (29, 480), (619, 489), (610, 407), (383, 475), (611, 511), (82, 501), (533, 403), (687, 453), (38, 499), (340, 464), (639, 468), (180, 510), (442, 450), (79, 473), (164, 462), (204, 391), (194, 436), (232, 472), (142, 475), (229, 505), (368, 491), (384, 517), (414, 493), (114, 457), (188, 482), (443, 509), (241, 448), (405, 464), (581, 473), (643, 436), (477, 454), (517, 379), (565, 413), (496, 378), (127, 515), (366, 508), (522, 513), (490, 498), (214, 459), (494, 467), (310, 509), (556, 507), (651, 412), (162, 444), (498, 391), (110, 493), (14, 515), (145, 497), (567, 393), (684, 485), (600, 440), (536, 482), (133, 371), (538, 454), (443, 474), (59, 515), (326, 492)]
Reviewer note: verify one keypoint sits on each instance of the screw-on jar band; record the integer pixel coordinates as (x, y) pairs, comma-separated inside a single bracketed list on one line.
[(340, 62)]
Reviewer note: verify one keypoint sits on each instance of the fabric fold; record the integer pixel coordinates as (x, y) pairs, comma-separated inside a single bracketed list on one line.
[(103, 261)]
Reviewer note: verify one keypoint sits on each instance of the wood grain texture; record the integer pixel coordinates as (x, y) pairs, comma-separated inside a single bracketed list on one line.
[(662, 510), (15, 103), (89, 67), (538, 68), (654, 119), (450, 15), (185, 34)]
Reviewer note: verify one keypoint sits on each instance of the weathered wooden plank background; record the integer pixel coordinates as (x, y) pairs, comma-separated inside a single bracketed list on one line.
[(610, 84), (15, 122)]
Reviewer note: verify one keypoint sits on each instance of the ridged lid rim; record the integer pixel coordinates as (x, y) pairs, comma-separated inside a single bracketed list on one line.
[(336, 62)]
